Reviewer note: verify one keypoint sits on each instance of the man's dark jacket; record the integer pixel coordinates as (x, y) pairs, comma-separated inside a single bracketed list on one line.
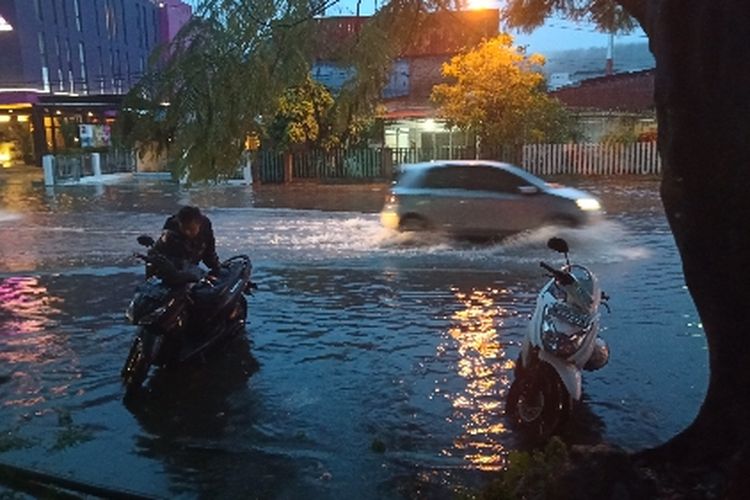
[(180, 248)]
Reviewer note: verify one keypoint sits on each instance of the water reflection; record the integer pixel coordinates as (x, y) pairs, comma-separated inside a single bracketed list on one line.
[(202, 422), (26, 308), (482, 363)]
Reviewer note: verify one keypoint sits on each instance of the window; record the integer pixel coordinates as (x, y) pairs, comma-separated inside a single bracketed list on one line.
[(97, 17), (77, 9), (138, 24), (474, 178), (68, 57), (450, 177), (112, 70), (82, 61), (487, 178), (38, 9), (65, 12), (42, 49), (110, 20), (102, 78), (118, 72), (144, 31), (124, 21), (45, 63)]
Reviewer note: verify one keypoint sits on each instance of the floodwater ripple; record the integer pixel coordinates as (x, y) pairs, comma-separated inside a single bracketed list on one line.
[(376, 363)]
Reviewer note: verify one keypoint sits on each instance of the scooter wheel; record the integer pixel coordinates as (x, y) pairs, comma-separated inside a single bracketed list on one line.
[(538, 403)]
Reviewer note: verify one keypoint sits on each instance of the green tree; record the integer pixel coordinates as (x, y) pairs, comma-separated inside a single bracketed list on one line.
[(703, 110), (496, 91), (303, 116), (213, 85)]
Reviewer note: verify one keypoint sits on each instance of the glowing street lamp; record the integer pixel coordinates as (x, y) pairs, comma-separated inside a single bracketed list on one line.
[(5, 25)]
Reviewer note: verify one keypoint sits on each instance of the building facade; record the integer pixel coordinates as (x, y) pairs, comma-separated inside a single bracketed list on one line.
[(410, 119), (61, 61)]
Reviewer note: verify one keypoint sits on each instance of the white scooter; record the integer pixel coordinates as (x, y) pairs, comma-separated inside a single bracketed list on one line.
[(562, 340)]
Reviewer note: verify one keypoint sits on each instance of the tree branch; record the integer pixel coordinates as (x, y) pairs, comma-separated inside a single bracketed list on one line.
[(639, 10)]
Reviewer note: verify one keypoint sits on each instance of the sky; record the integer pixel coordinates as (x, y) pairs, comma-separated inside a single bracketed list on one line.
[(556, 34)]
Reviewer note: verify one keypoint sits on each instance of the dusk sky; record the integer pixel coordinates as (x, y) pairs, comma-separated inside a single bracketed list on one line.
[(556, 34)]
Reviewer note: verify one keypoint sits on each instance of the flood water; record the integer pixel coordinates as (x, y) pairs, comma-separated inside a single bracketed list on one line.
[(376, 364)]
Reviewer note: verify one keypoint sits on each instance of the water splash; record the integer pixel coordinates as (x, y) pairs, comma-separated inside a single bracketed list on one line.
[(6, 216)]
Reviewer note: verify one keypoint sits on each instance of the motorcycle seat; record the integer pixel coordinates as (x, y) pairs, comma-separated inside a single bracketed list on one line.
[(209, 294)]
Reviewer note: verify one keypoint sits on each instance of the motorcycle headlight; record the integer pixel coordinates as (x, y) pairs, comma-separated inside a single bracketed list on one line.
[(563, 344)]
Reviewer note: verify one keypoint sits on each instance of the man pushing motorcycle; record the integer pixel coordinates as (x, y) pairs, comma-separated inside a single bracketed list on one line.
[(187, 239), (179, 312)]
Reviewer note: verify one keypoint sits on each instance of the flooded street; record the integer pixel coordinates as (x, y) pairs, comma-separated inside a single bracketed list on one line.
[(376, 363)]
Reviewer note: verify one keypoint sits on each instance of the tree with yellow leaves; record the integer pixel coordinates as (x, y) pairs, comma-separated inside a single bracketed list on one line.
[(498, 92)]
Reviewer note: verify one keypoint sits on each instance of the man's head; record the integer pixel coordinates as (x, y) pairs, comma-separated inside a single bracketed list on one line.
[(189, 219)]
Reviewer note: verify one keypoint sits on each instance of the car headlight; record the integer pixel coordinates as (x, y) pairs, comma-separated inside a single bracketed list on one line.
[(588, 204), (563, 344)]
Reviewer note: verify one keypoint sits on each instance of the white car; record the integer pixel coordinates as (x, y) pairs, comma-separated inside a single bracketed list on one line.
[(481, 198)]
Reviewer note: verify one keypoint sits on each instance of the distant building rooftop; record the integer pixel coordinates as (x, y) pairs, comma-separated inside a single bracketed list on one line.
[(584, 64), (631, 92)]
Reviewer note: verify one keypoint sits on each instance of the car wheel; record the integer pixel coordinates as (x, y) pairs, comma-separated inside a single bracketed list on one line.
[(413, 223)]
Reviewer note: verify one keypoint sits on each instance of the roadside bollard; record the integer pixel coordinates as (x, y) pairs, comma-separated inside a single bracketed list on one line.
[(96, 164), (48, 164)]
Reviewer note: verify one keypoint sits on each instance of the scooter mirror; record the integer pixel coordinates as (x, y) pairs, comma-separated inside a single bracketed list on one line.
[(558, 245), (145, 240)]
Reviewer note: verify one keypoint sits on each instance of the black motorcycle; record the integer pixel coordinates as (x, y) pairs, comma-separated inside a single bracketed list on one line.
[(182, 313)]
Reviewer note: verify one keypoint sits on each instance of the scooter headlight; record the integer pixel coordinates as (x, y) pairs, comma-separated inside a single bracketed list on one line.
[(562, 344)]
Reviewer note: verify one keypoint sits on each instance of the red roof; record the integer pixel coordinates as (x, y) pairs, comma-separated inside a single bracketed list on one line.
[(621, 92)]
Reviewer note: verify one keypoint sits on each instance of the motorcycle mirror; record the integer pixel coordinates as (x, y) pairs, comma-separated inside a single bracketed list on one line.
[(146, 240), (558, 245)]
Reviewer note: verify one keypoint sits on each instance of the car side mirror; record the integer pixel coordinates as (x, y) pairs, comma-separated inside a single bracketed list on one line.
[(527, 190), (146, 240)]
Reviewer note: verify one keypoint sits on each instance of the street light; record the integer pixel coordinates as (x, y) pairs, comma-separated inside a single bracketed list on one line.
[(5, 25)]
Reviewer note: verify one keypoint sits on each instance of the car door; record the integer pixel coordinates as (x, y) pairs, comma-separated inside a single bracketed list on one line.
[(444, 199), (503, 201)]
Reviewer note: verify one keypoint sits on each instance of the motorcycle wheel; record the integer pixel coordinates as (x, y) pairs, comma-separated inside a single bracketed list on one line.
[(538, 403), (136, 367)]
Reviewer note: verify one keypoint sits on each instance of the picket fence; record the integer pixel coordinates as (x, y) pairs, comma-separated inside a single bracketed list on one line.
[(377, 164), (641, 158)]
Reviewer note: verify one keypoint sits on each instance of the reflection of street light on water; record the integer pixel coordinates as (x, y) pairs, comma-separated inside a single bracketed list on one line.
[(481, 362)]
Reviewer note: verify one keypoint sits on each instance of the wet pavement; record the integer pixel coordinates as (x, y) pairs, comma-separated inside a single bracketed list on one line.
[(375, 363)]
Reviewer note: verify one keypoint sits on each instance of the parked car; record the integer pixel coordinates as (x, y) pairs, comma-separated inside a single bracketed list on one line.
[(481, 198)]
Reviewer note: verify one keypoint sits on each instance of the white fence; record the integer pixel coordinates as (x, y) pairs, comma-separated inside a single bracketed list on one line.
[(641, 158)]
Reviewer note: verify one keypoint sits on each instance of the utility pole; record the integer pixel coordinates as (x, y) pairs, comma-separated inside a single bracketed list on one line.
[(609, 68)]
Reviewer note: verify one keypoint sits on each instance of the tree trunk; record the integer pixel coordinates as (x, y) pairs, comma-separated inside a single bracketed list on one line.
[(703, 108)]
